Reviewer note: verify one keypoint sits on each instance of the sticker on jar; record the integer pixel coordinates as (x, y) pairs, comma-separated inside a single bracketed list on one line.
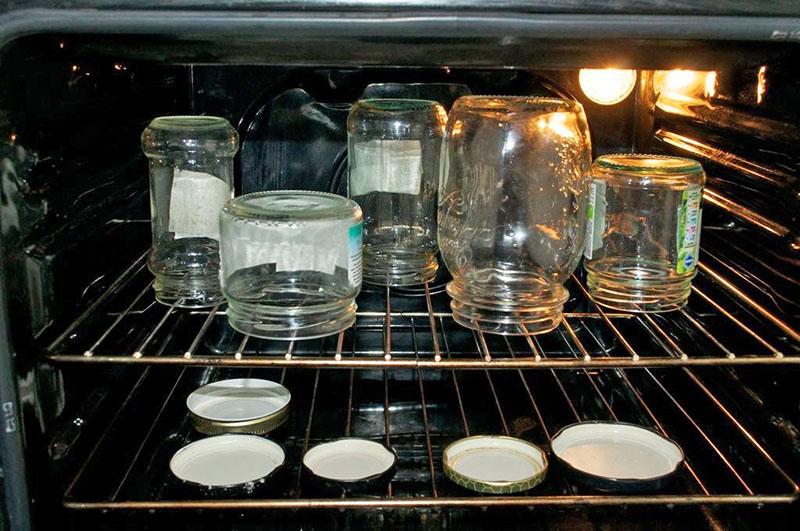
[(354, 248), (391, 166), (194, 204), (688, 233), (595, 218), (321, 247)]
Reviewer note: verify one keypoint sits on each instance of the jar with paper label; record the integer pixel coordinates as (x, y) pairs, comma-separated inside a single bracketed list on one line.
[(191, 178), (643, 231), (393, 155), (512, 208), (291, 263)]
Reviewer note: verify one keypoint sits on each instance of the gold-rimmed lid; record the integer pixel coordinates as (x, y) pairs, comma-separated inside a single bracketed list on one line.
[(495, 464), (239, 405)]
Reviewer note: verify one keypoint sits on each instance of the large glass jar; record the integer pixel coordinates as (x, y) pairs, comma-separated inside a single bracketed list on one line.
[(643, 231), (393, 150), (512, 209), (291, 263), (191, 178)]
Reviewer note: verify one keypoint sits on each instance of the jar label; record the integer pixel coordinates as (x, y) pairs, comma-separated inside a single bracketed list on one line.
[(392, 166), (194, 204), (595, 218), (354, 245), (689, 223)]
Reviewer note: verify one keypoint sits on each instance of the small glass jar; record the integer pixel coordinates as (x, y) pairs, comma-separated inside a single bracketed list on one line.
[(291, 263), (515, 184), (394, 148), (643, 231), (191, 178)]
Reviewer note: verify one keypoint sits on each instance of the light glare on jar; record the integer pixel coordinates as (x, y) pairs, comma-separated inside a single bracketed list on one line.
[(607, 86)]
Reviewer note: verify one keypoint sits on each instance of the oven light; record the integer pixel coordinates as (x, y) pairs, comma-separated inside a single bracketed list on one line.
[(710, 88), (761, 87), (606, 86)]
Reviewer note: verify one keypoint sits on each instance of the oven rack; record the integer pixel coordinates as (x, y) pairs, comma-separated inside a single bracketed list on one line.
[(720, 326), (126, 466)]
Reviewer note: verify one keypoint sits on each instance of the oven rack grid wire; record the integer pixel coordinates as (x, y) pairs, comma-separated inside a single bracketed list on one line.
[(721, 326), (126, 466)]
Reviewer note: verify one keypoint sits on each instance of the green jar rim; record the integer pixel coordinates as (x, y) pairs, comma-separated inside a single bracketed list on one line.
[(647, 164), (189, 122), (397, 104), (277, 205)]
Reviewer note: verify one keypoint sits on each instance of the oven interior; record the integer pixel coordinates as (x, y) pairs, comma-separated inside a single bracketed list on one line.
[(103, 370)]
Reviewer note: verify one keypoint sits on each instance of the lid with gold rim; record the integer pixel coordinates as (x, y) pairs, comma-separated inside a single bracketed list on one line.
[(495, 464), (240, 405)]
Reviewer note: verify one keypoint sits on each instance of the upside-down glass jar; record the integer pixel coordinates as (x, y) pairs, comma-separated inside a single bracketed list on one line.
[(512, 209), (291, 263), (191, 178), (394, 148), (643, 231)]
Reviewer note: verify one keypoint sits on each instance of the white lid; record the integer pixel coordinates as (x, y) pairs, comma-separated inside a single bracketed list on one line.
[(226, 460), (617, 450), (349, 459), (238, 400)]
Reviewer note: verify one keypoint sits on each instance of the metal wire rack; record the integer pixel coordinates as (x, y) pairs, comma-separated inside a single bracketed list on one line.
[(417, 414), (378, 385), (721, 326)]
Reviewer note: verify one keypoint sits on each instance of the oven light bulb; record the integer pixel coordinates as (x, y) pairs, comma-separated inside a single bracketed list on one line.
[(607, 86)]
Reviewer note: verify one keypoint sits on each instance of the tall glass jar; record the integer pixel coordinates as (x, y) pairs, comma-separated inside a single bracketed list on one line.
[(512, 209), (643, 233), (393, 150), (291, 263), (191, 178)]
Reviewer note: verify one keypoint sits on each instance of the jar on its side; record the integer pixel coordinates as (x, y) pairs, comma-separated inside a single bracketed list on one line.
[(191, 178), (643, 231), (291, 263)]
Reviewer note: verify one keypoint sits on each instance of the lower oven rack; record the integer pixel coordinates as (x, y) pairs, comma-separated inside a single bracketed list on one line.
[(720, 326), (126, 467)]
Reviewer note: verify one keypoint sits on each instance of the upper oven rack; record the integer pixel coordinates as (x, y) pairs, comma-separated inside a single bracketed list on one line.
[(720, 326)]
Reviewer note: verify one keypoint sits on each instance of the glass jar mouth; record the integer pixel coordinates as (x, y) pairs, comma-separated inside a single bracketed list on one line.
[(189, 123), (395, 105), (513, 105), (646, 164), (291, 205)]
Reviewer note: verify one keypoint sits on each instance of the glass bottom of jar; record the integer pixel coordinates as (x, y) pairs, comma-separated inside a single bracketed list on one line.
[(188, 291), (291, 323), (536, 311), (631, 285), (398, 268)]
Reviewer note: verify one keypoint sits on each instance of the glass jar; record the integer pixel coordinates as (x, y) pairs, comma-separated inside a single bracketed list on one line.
[(393, 151), (191, 178), (643, 231), (512, 209), (291, 263)]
